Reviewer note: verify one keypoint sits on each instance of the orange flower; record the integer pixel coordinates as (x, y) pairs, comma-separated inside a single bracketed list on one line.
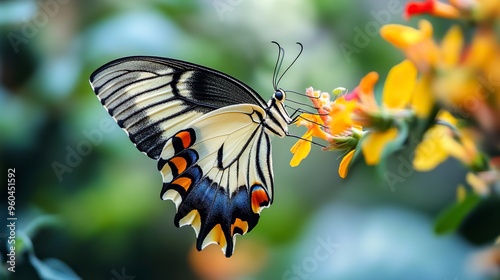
[(333, 123), (302, 148)]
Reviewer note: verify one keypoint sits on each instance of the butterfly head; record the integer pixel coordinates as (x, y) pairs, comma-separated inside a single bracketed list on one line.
[(279, 119), (276, 106), (278, 102), (279, 95)]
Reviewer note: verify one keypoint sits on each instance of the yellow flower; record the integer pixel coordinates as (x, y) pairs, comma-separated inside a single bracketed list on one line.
[(444, 140), (464, 78), (432, 150), (396, 96), (456, 82), (467, 79)]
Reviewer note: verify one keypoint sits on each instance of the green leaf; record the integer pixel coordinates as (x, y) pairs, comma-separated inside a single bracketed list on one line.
[(450, 219), (52, 269)]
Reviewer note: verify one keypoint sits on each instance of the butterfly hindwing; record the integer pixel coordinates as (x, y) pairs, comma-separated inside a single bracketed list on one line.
[(219, 174), (206, 130)]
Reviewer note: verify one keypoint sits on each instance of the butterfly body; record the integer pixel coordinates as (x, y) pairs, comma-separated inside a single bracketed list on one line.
[(210, 134)]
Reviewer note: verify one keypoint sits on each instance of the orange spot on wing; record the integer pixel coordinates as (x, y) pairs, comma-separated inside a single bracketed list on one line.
[(184, 182), (238, 223), (185, 137), (259, 196), (180, 163)]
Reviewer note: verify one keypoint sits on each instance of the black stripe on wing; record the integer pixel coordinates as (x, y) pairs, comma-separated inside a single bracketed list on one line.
[(263, 162)]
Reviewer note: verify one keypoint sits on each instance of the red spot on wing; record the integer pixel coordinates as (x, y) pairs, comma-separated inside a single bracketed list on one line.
[(259, 199)]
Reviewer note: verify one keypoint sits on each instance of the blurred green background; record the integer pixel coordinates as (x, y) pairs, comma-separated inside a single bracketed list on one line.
[(75, 165)]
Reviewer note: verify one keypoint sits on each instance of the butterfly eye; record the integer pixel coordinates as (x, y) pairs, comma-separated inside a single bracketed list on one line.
[(279, 95)]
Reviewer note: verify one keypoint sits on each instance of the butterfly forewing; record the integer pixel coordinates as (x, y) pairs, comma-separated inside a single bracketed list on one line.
[(206, 129), (153, 97)]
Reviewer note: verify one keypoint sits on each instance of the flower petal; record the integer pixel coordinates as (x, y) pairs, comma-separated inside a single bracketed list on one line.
[(341, 115), (344, 164), (364, 92), (482, 48), (451, 46), (447, 117), (423, 101), (433, 7), (437, 145), (429, 153), (301, 149), (401, 36), (399, 85), (417, 44), (374, 144), (416, 8), (445, 10)]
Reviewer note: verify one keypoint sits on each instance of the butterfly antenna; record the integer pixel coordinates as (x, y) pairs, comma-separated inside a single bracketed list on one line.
[(277, 66), (294, 118), (311, 141), (297, 57), (302, 94), (302, 104)]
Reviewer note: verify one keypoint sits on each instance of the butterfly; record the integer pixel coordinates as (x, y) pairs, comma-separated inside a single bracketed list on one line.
[(210, 134)]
